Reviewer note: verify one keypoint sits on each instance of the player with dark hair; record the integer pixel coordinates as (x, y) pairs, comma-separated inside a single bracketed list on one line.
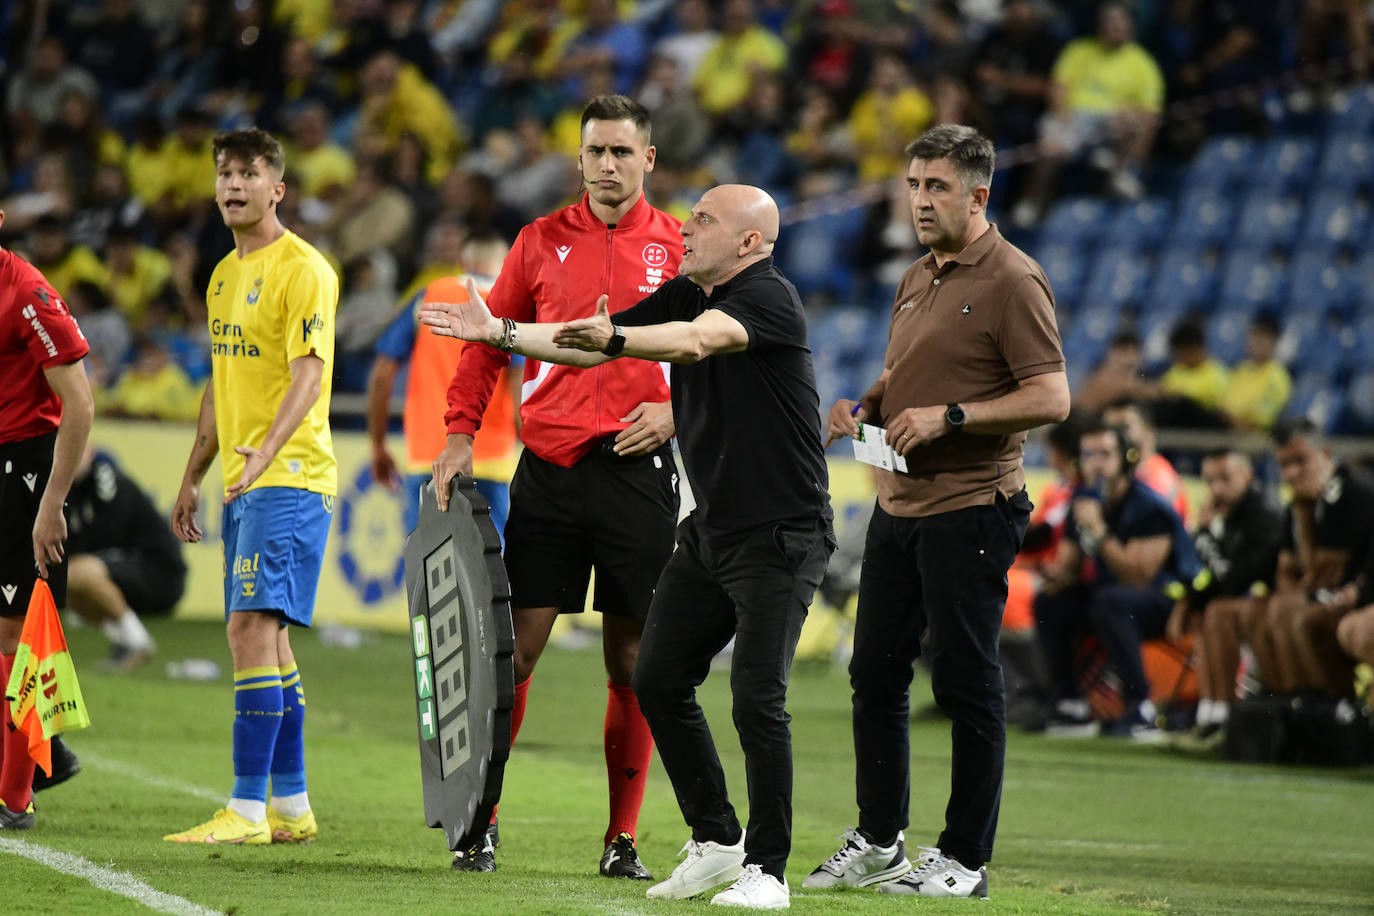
[(596, 487), (46, 411), (265, 412)]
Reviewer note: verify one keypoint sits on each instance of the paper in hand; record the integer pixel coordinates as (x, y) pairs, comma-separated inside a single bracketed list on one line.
[(871, 448)]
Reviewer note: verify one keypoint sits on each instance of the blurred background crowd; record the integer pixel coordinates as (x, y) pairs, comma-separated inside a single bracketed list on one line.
[(1184, 170)]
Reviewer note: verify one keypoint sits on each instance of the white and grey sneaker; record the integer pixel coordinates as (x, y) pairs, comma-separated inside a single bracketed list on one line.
[(940, 876), (859, 863), (757, 890), (707, 865)]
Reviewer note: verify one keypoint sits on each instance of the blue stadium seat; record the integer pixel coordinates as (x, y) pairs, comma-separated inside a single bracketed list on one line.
[(1250, 280), (1075, 220), (1362, 275), (1066, 267), (1319, 280), (1154, 325), (1267, 220), (1140, 224), (1347, 163), (1086, 336), (1117, 277), (1358, 416), (1318, 397), (1335, 218), (1226, 330), (1352, 112), (842, 332), (1287, 163), (1184, 278), (1220, 165), (1307, 343), (818, 254), (1204, 219)]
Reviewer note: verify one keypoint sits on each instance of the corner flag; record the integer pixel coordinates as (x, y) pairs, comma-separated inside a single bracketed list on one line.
[(43, 694)]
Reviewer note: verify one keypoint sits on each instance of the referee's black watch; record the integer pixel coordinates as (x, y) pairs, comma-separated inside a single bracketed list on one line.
[(954, 416), (616, 343)]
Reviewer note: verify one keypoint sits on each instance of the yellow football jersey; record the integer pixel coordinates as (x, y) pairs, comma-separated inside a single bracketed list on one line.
[(267, 309)]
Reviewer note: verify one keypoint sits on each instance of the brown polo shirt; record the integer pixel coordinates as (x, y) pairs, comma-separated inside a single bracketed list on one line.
[(963, 333)]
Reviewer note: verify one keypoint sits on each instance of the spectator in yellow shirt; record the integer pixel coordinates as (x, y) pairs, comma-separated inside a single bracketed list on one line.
[(1191, 389), (397, 99), (1106, 96), (744, 49), (63, 263), (885, 117), (1259, 387), (320, 168), (137, 274), (153, 386)]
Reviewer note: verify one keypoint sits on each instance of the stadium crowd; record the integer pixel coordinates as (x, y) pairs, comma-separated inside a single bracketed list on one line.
[(414, 125)]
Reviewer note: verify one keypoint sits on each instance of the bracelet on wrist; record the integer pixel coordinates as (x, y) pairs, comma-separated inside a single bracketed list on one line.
[(506, 342)]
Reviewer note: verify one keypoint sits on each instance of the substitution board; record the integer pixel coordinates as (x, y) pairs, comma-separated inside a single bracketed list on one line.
[(463, 647)]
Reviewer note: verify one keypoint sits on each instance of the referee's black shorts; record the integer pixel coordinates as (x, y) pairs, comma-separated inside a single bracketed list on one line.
[(25, 465), (617, 515)]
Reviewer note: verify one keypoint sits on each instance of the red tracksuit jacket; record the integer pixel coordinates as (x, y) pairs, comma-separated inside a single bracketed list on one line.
[(558, 267)]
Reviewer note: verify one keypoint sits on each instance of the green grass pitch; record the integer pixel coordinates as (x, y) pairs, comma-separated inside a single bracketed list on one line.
[(1087, 827)]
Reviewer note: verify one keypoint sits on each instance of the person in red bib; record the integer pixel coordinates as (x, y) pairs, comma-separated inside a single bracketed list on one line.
[(46, 411), (596, 487)]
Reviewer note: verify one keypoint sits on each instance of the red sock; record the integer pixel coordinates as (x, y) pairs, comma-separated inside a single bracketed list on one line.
[(628, 749), (517, 716), (16, 767)]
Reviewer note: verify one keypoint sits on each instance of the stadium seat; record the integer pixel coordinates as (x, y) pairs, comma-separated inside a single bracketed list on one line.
[(1226, 330), (1154, 325), (1358, 417), (1118, 276), (1250, 280), (1319, 279), (1362, 276), (1287, 163), (1066, 267), (1085, 337), (1335, 218), (1308, 342), (1317, 397), (1267, 220), (818, 254), (1351, 112), (1346, 163), (841, 332), (1185, 276), (1075, 221), (1140, 225), (1204, 219), (1220, 165)]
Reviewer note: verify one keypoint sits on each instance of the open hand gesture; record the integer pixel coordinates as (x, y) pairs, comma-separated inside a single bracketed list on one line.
[(469, 320), (590, 334)]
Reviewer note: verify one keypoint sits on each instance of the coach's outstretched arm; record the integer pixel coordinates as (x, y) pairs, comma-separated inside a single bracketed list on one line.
[(579, 343)]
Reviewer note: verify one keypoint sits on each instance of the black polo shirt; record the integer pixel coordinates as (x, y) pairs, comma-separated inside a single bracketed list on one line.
[(748, 423)]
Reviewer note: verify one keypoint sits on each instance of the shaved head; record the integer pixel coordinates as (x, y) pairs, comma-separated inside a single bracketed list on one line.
[(731, 227), (747, 209)]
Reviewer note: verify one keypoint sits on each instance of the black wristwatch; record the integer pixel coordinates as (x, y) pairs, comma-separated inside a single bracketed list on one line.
[(616, 343), (954, 416)]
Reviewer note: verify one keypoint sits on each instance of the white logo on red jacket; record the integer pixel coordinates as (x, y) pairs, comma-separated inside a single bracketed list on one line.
[(563, 252), (655, 255)]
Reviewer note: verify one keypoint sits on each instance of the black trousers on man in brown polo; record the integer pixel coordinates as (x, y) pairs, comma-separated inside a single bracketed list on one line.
[(948, 573)]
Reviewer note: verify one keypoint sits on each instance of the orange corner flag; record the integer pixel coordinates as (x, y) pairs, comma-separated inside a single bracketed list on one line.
[(43, 694)]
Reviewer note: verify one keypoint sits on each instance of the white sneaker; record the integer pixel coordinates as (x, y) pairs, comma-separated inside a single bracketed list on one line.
[(707, 865), (940, 876), (859, 863), (757, 890)]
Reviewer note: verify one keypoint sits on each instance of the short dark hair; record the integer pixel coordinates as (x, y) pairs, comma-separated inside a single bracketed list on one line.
[(1066, 437), (971, 153), (1286, 430), (1187, 334), (1266, 321), (618, 108), (247, 144), (1129, 448), (1126, 338)]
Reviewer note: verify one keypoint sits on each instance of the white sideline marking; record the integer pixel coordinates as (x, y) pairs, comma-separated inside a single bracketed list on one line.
[(121, 768), (106, 879)]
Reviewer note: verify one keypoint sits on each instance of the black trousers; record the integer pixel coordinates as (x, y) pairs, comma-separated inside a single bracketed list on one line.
[(757, 589), (948, 573), (1120, 616)]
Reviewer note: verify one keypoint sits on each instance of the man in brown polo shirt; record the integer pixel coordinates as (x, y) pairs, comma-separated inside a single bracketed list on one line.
[(973, 361)]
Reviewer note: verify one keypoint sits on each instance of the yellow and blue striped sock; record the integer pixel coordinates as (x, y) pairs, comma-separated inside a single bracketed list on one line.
[(288, 758), (257, 721)]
